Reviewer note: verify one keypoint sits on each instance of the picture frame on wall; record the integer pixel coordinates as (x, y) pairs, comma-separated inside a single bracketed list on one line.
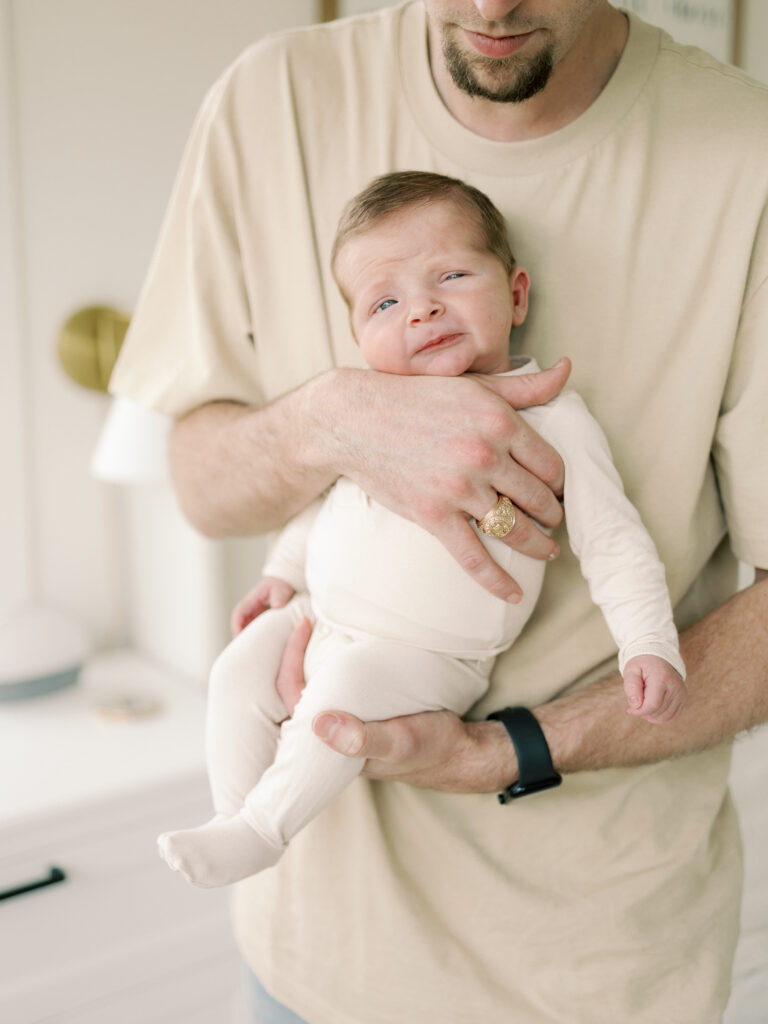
[(711, 25)]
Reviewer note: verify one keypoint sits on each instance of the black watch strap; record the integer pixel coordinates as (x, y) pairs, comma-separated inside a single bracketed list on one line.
[(535, 768)]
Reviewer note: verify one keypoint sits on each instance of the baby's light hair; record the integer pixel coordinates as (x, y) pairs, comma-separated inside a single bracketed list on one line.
[(390, 193)]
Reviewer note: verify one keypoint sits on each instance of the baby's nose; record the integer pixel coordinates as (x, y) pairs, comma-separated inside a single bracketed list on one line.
[(427, 310)]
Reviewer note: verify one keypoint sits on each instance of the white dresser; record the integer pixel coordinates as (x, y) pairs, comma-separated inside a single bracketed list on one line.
[(122, 939), (86, 790)]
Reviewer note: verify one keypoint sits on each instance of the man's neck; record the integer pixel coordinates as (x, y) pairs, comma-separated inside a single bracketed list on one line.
[(576, 82)]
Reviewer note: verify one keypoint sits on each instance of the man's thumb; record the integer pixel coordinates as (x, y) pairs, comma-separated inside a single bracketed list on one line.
[(542, 387), (345, 735)]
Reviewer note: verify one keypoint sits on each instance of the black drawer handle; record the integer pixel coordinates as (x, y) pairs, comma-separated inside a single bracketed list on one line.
[(54, 876)]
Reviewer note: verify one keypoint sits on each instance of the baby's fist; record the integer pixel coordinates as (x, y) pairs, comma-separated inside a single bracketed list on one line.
[(654, 690), (270, 592)]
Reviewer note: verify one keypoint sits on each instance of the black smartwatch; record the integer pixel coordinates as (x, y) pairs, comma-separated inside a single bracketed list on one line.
[(536, 771)]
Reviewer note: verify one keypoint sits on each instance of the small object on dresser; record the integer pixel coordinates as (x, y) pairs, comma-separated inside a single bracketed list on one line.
[(127, 707)]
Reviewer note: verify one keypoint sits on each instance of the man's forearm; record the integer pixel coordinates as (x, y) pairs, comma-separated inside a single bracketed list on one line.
[(239, 470), (726, 656)]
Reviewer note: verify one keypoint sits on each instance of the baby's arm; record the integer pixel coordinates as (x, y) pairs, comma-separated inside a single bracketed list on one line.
[(618, 559), (655, 691), (283, 571), (269, 592)]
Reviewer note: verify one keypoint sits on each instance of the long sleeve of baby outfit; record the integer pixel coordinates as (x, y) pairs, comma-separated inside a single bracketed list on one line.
[(617, 555), (287, 557)]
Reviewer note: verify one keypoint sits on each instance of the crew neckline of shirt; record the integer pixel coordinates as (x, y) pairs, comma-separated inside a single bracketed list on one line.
[(488, 156)]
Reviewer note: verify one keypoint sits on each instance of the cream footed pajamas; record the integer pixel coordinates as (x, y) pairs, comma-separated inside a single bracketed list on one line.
[(399, 629)]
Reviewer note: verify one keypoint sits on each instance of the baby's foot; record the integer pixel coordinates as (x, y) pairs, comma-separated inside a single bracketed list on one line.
[(223, 851)]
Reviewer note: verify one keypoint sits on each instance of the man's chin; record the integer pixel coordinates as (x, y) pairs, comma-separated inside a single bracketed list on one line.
[(507, 80)]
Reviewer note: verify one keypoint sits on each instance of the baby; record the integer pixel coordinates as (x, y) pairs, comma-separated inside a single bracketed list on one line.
[(424, 264)]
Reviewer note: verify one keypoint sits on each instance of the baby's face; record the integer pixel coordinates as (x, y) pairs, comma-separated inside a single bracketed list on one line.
[(427, 298)]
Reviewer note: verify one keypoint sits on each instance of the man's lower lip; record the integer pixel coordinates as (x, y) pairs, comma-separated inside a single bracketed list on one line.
[(493, 47)]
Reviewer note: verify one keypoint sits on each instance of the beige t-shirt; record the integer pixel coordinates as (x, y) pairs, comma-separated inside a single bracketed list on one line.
[(614, 897)]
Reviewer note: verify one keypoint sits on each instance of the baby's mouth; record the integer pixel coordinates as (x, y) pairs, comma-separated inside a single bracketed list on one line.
[(441, 340)]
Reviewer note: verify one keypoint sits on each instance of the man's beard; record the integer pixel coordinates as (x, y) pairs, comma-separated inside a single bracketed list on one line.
[(531, 76)]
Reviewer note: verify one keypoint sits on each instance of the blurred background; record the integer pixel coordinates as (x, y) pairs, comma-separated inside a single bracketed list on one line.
[(96, 101)]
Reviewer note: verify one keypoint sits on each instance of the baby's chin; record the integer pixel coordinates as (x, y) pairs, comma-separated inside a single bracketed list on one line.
[(448, 362), (454, 364)]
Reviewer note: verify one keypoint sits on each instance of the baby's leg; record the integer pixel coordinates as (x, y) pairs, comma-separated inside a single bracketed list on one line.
[(244, 709), (370, 679), (373, 680), (243, 719)]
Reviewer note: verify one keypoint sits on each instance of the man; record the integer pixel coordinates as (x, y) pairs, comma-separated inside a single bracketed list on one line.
[(634, 174)]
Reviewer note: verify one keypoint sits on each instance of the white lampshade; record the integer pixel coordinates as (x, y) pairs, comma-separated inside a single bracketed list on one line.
[(41, 650), (133, 445)]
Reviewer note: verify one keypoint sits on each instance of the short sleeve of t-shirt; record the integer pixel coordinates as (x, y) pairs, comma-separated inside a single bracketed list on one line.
[(174, 357)]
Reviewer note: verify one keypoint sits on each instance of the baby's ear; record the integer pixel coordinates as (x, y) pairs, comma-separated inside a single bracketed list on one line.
[(519, 284)]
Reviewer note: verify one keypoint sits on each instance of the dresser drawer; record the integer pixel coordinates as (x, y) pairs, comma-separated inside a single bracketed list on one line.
[(121, 926)]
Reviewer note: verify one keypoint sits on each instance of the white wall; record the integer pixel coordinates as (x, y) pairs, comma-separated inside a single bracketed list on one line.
[(15, 535), (96, 101)]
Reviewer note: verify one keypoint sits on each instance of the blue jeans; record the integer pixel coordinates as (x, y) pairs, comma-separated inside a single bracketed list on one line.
[(262, 1008)]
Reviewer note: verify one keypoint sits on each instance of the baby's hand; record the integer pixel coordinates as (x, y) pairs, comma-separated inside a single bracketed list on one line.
[(270, 592), (653, 688)]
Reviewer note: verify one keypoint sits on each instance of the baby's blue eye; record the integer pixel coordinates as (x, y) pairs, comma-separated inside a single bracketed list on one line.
[(385, 304), (454, 275)]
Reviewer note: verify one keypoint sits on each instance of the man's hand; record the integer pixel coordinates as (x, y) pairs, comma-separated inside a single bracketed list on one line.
[(290, 677), (269, 592), (654, 690), (439, 451), (434, 750)]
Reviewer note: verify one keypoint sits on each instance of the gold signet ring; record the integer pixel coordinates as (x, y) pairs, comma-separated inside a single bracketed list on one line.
[(500, 520)]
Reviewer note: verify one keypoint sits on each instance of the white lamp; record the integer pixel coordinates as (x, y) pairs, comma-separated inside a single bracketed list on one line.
[(42, 649), (133, 445), (173, 576)]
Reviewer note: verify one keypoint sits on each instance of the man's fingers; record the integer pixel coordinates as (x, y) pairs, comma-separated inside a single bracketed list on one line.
[(527, 491), (526, 389), (538, 388), (526, 537), (543, 466), (424, 749), (392, 746), (388, 742), (465, 546), (290, 676)]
